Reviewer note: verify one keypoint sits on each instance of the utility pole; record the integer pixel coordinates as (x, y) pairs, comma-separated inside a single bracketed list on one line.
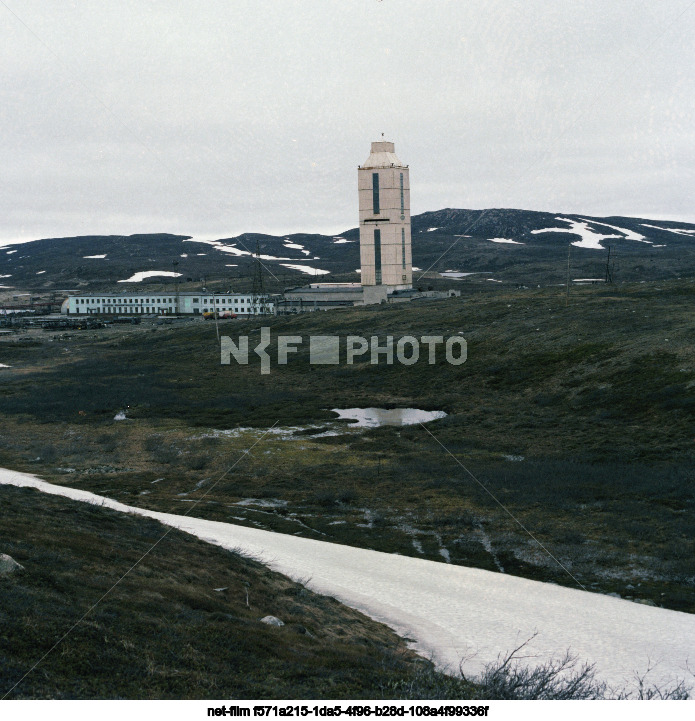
[(176, 287), (215, 314), (259, 301), (609, 267)]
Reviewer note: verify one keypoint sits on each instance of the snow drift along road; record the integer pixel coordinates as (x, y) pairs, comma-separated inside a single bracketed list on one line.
[(454, 611)]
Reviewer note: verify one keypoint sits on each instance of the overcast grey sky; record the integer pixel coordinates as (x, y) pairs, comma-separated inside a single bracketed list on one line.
[(219, 117)]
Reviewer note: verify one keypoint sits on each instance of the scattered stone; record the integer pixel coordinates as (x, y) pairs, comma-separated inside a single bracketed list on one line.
[(645, 601), (223, 588), (614, 594), (272, 621), (8, 565)]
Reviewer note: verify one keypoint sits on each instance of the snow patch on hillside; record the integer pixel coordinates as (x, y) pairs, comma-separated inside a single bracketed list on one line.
[(629, 234), (296, 246), (455, 614), (589, 238), (678, 231), (505, 240), (95, 256), (309, 270), (218, 245), (143, 274)]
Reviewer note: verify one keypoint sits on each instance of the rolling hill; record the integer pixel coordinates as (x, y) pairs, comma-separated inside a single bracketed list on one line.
[(514, 246)]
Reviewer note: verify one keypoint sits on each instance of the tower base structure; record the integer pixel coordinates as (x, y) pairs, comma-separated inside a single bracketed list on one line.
[(385, 244)]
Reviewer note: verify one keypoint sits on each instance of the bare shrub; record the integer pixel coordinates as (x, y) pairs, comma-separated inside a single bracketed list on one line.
[(560, 679), (511, 677), (643, 690), (564, 678)]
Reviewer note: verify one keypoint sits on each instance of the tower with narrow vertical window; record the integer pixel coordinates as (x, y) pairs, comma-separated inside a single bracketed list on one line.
[(384, 194)]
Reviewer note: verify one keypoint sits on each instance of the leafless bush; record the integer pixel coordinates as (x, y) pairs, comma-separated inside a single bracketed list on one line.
[(511, 677), (560, 679), (678, 691), (565, 678), (643, 690)]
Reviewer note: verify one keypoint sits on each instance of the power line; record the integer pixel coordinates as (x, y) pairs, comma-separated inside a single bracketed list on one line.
[(137, 563), (505, 509)]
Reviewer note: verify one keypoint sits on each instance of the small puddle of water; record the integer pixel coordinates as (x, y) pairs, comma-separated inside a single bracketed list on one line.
[(375, 417), (261, 502)]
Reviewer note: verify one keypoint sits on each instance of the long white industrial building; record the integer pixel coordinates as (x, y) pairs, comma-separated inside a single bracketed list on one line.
[(186, 303)]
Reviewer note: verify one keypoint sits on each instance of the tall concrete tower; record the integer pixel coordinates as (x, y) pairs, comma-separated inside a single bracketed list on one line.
[(384, 190)]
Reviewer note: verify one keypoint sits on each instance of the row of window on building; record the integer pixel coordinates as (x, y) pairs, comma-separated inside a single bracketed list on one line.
[(164, 304)]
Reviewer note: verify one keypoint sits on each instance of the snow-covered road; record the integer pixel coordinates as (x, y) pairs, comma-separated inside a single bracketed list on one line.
[(453, 612)]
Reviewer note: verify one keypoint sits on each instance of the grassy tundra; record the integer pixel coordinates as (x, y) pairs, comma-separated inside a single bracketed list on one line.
[(579, 419)]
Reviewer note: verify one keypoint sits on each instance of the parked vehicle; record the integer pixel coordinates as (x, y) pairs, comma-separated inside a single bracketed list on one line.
[(222, 315)]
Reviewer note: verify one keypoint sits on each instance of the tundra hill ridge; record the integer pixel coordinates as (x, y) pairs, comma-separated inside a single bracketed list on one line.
[(504, 245)]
